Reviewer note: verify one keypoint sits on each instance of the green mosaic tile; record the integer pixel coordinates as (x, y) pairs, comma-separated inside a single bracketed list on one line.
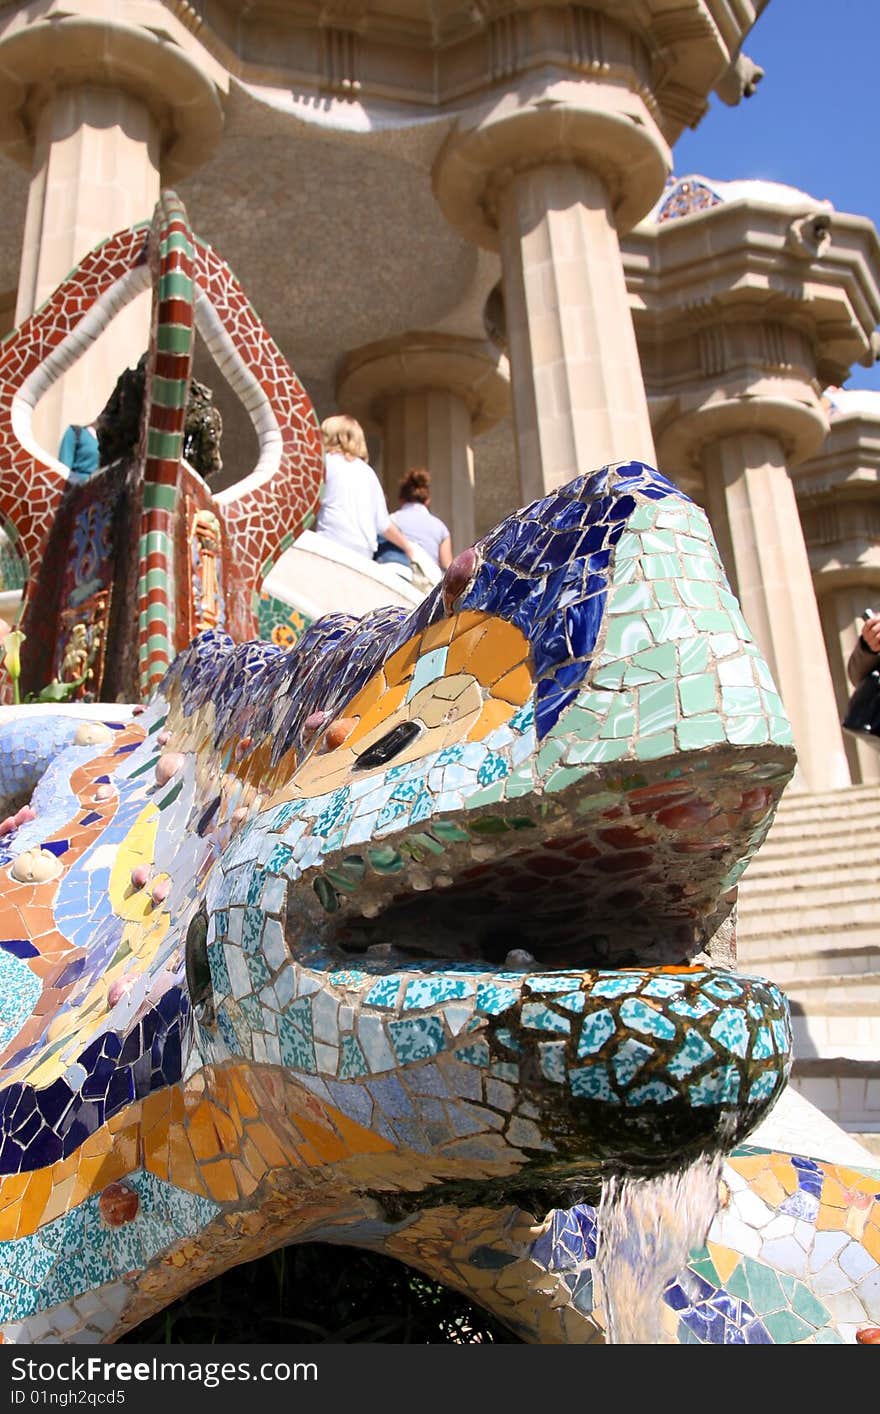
[(772, 702), (693, 657), (766, 1292), (490, 795), (565, 776), (597, 751), (724, 643), (829, 1337), (670, 623), (610, 676), (705, 1267), (698, 525), (666, 594), (637, 677), (700, 731), (620, 722), (740, 701), (786, 1329), (688, 546), (550, 753), (765, 677), (780, 731), (659, 542), (521, 782), (643, 518), (698, 593), (736, 672), (737, 1284), (627, 636), (661, 567), (673, 520), (651, 748), (714, 621), (698, 693), (628, 547), (632, 598), (658, 708), (805, 1304), (700, 567), (660, 660), (747, 731), (582, 718)]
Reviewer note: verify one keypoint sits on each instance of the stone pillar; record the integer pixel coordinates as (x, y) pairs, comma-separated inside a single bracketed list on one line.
[(578, 395), (751, 503), (551, 176), (430, 395), (102, 112), (841, 611), (838, 496), (95, 171)]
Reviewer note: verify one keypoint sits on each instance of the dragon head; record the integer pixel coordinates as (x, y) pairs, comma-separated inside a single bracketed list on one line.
[(440, 902)]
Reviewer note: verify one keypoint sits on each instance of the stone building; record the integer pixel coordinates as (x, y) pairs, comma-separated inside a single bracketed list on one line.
[(458, 222)]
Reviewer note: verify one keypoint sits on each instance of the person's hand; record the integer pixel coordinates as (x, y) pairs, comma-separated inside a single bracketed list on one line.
[(871, 633)]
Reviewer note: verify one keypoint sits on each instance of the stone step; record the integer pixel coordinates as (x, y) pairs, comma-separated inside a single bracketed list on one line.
[(829, 879), (804, 915), (856, 803), (780, 853), (812, 963), (836, 994)]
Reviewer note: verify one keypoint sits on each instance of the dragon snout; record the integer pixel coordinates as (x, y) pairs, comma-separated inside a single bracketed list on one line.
[(639, 1068)]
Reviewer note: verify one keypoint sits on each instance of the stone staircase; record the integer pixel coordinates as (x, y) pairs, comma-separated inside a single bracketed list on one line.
[(809, 919)]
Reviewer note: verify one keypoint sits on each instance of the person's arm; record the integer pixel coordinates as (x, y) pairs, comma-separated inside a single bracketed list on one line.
[(398, 538), (444, 553), (866, 653)]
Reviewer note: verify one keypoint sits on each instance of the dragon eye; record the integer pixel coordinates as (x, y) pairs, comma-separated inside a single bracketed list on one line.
[(388, 746), (198, 969)]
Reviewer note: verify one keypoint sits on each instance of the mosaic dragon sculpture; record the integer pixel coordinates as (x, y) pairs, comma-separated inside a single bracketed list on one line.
[(417, 938)]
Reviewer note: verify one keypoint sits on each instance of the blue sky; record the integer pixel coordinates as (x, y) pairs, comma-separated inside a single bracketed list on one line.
[(814, 120)]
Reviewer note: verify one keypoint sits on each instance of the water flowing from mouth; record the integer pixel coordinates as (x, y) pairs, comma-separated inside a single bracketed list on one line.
[(646, 1227)]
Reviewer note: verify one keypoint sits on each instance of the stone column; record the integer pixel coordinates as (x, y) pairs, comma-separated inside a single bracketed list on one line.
[(745, 307), (578, 395), (95, 171), (744, 448), (838, 496), (102, 112), (551, 176), (430, 395), (840, 611)]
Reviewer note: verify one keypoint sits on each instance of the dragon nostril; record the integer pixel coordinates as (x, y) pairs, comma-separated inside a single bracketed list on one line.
[(388, 746), (198, 968)]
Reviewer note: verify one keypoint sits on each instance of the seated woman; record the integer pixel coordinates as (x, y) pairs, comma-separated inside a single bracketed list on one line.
[(413, 516), (865, 656), (353, 511)]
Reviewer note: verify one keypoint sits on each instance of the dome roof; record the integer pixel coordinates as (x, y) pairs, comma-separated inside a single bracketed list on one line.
[(684, 196)]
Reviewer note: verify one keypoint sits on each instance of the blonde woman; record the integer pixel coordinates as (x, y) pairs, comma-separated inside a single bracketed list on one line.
[(353, 510)]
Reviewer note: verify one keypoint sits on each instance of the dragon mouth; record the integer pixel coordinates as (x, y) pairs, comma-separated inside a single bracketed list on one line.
[(640, 871)]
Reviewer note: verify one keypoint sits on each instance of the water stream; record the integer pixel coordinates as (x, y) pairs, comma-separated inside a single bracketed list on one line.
[(646, 1227)]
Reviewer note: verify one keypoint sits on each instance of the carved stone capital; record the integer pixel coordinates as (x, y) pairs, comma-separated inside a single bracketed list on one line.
[(473, 370), (605, 127), (67, 51)]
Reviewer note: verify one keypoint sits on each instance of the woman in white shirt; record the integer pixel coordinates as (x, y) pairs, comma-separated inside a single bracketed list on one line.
[(414, 518), (353, 511)]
